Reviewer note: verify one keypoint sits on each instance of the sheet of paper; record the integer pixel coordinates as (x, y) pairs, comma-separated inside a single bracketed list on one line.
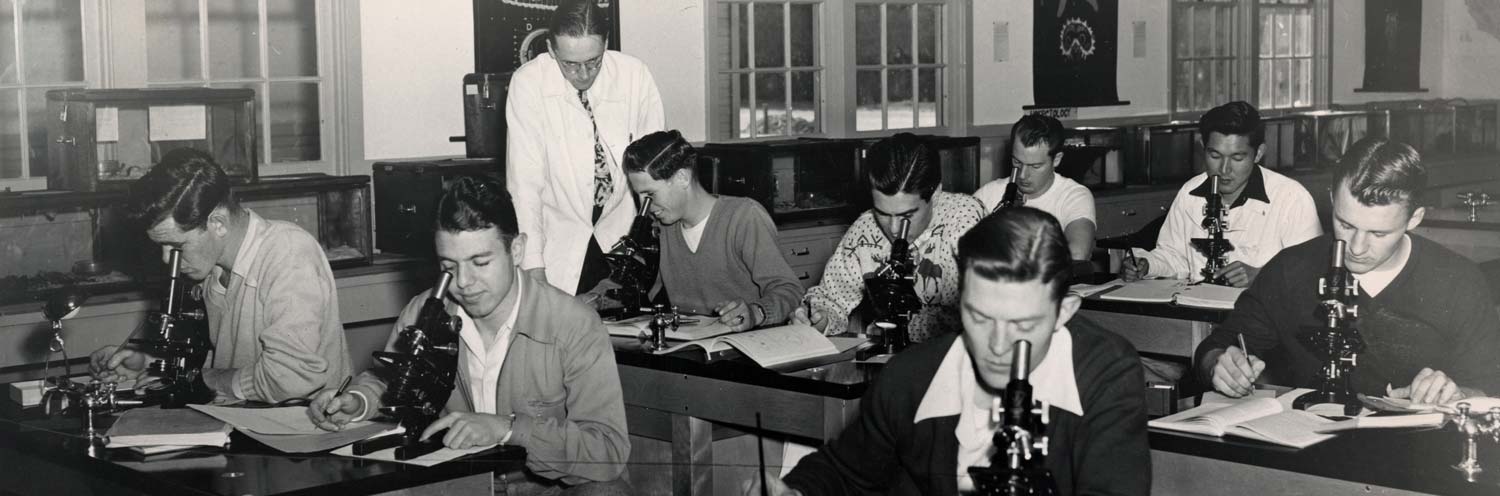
[(1209, 296), (274, 421), (308, 443), (107, 124), (427, 460), (1087, 290), (1147, 291), (178, 122)]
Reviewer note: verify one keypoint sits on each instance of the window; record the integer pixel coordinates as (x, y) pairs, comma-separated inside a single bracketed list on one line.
[(898, 65), (44, 50), (767, 75), (1270, 45)]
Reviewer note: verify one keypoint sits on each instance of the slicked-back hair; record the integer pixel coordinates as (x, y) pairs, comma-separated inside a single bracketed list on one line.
[(1381, 172), (476, 203), (1019, 244), (578, 19), (1035, 129), (903, 164), (660, 154), (186, 186), (1233, 118)]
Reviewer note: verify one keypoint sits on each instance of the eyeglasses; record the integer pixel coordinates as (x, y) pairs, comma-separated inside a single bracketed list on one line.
[(586, 66)]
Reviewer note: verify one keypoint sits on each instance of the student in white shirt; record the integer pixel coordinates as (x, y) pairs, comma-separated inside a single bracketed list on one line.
[(569, 116), (1267, 211), (1036, 147)]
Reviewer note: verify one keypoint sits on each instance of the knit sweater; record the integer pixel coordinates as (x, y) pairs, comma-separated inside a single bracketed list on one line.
[(737, 259), (884, 452), (1436, 313)]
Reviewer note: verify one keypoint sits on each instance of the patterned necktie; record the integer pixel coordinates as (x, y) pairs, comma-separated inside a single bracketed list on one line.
[(604, 184)]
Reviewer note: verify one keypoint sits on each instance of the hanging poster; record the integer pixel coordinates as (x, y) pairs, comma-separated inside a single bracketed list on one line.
[(1075, 44), (1393, 45)]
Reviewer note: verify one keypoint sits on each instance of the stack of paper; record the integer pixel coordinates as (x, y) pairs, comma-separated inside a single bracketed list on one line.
[(1209, 296), (154, 429), (287, 429), (1147, 291)]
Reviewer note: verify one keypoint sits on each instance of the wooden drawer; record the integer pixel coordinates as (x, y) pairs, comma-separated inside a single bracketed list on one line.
[(1127, 214), (804, 251), (807, 250), (809, 275)]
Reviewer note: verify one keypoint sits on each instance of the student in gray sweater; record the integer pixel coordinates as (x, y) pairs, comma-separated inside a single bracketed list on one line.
[(718, 253)]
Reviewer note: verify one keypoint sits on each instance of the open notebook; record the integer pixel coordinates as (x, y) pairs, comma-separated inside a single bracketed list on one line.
[(769, 347), (1177, 291), (1257, 417)]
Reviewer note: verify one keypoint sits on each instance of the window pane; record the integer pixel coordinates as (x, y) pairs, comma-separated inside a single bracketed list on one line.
[(770, 35), (296, 133), (1283, 35), (52, 36), (744, 107), (234, 28), (1304, 83), (1226, 30), (7, 57), (804, 34), (902, 106), (1283, 83), (10, 135), (172, 49), (1203, 32), (293, 27), (770, 95), (929, 24), (1182, 30), (1303, 39), (36, 130), (740, 16), (928, 89), (1203, 84), (805, 103), (898, 34), (1183, 85), (867, 34), (1266, 82), (1223, 80), (867, 98)]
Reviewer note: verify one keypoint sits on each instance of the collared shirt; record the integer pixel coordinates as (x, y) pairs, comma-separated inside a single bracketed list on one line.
[(1272, 213), (1375, 281), (955, 390), (482, 361), (1066, 200)]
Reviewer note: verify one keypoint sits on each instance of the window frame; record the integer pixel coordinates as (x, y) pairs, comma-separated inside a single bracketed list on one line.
[(942, 64), (92, 71), (1246, 56), (819, 67)]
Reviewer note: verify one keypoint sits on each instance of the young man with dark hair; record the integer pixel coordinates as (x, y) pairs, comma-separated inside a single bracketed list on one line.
[(535, 366), (1429, 326), (569, 115), (1036, 148), (273, 313), (925, 421), (1267, 211), (904, 179), (718, 253)]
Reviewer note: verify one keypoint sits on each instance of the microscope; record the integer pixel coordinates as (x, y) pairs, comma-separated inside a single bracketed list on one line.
[(892, 292), (632, 264), (1018, 466), (1013, 196), (419, 376), (1336, 343), (1214, 247)]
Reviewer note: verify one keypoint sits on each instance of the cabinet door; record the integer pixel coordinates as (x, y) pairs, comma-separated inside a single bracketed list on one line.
[(1121, 215)]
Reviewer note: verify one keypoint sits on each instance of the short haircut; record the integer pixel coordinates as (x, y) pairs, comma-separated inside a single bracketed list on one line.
[(1233, 118), (476, 203), (1019, 244), (578, 19), (903, 164), (1035, 129), (1381, 172), (660, 154), (186, 186)]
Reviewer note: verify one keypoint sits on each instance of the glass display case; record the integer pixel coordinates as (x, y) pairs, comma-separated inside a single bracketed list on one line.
[(796, 180), (1091, 156), (1168, 154), (53, 239), (103, 139), (1336, 130)]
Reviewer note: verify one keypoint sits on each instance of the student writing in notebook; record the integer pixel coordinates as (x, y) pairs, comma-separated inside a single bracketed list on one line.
[(718, 253), (535, 366), (1429, 326), (925, 420)]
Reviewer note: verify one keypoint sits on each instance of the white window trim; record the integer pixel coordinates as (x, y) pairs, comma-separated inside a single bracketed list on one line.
[(945, 63), (1247, 60)]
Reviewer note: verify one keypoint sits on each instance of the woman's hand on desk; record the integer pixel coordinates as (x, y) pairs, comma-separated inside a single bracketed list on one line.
[(114, 364), (468, 429), (774, 487), (330, 410), (1235, 372)]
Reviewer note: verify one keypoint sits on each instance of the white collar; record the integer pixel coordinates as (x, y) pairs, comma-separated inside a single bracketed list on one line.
[(1375, 281), (955, 385), (470, 333)]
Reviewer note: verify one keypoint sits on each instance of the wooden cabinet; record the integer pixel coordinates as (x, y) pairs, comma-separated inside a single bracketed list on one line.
[(1125, 214), (807, 250)]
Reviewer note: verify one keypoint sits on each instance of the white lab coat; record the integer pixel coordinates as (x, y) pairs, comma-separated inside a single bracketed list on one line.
[(550, 157)]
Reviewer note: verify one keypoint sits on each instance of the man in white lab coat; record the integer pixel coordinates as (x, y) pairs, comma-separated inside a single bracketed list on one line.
[(569, 115)]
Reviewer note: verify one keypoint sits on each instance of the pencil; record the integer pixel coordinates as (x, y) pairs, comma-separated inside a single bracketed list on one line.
[(1130, 254), (344, 388), (1243, 348)]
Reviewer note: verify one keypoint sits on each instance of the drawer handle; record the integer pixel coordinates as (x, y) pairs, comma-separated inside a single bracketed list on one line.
[(804, 276), (406, 209), (1128, 213), (800, 251)]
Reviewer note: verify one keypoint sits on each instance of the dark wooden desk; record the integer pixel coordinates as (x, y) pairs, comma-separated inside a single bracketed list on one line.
[(1363, 462), (689, 403), (50, 456)]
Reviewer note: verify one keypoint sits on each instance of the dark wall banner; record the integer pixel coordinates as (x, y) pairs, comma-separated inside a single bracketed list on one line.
[(507, 33), (1393, 45), (1074, 48)]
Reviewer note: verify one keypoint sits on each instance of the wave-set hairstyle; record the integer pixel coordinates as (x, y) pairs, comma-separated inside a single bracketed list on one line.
[(186, 186), (578, 19), (903, 164), (1020, 244), (1233, 118), (660, 154), (1034, 129), (1381, 172), (476, 203)]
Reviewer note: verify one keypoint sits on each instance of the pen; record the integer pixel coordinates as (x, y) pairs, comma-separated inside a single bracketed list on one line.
[(1130, 255), (1243, 348), (344, 388)]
